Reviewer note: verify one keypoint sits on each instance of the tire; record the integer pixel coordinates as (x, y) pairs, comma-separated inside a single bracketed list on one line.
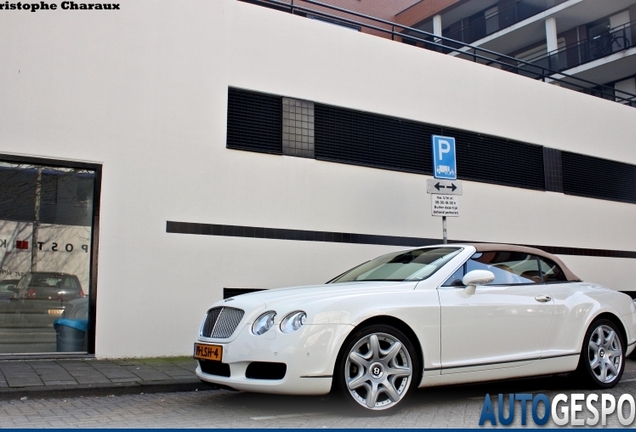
[(377, 369), (603, 355)]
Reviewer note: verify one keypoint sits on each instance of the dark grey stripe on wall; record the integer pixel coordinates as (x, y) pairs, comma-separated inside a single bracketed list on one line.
[(355, 238), (291, 234)]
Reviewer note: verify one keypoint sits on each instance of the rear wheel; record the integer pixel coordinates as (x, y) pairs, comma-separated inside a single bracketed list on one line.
[(377, 368), (602, 357)]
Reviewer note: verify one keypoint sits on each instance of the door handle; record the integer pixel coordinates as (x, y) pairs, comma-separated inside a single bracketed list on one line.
[(543, 298)]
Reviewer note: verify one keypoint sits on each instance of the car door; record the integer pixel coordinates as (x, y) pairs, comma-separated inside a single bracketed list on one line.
[(571, 311), (502, 324)]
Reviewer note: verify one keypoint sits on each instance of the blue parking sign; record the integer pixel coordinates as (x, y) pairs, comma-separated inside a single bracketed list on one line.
[(444, 164)]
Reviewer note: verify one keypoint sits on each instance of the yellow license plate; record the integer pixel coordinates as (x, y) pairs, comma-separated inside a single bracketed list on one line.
[(208, 352), (55, 311)]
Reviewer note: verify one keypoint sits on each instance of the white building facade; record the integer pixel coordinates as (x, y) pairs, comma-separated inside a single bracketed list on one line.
[(190, 116)]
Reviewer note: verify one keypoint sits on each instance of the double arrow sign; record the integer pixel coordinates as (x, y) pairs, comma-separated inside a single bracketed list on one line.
[(445, 187)]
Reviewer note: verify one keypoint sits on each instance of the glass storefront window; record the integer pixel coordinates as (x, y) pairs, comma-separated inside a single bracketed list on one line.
[(46, 232)]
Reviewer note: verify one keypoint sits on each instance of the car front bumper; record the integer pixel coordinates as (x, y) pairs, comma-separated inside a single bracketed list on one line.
[(308, 356)]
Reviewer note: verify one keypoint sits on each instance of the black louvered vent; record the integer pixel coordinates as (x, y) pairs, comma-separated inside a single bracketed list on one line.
[(598, 178), (360, 138), (552, 170), (496, 160), (254, 122)]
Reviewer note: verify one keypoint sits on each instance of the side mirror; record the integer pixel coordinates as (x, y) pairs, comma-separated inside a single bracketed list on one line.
[(13, 288), (477, 277)]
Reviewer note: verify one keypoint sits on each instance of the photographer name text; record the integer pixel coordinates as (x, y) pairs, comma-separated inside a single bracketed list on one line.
[(65, 5)]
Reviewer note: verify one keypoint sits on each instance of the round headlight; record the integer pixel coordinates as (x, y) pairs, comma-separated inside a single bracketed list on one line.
[(293, 321), (263, 323)]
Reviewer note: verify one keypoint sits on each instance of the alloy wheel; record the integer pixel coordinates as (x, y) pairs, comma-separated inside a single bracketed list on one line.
[(378, 371), (605, 354)]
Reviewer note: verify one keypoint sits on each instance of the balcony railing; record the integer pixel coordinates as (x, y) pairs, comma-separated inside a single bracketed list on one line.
[(477, 27), (444, 45), (587, 50)]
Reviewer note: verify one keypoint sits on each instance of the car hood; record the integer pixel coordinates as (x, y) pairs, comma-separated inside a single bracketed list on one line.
[(316, 297)]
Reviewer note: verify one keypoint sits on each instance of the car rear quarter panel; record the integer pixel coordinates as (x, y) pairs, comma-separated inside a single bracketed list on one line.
[(577, 306)]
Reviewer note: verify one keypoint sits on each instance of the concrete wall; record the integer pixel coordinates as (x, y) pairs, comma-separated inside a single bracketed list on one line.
[(143, 91)]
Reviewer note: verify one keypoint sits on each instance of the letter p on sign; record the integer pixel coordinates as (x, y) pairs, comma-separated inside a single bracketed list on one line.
[(443, 146), (444, 164)]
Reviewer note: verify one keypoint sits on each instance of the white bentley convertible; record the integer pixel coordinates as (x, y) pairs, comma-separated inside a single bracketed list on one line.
[(421, 317)]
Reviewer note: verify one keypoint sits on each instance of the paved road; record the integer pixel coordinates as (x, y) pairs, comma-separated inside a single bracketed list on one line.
[(442, 407)]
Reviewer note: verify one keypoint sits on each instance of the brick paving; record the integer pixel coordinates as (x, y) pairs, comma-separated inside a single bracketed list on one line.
[(91, 377)]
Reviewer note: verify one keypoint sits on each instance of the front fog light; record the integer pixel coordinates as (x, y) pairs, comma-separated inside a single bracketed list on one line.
[(263, 323), (293, 321)]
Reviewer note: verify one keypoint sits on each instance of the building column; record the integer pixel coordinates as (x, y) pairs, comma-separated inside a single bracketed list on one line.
[(437, 26), (551, 34)]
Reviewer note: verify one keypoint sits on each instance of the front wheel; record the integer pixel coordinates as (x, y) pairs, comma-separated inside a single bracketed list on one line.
[(377, 368), (602, 357)]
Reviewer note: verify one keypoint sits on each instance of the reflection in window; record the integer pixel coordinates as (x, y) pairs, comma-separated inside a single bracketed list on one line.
[(46, 215), (416, 264), (510, 268)]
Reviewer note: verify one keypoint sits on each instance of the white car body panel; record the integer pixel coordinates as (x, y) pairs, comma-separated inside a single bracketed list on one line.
[(490, 327), (577, 305), (498, 332)]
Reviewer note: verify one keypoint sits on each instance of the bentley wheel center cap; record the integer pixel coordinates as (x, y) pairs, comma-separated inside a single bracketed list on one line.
[(377, 370)]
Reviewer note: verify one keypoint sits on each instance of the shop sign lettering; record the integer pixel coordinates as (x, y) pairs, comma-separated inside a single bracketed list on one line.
[(44, 246)]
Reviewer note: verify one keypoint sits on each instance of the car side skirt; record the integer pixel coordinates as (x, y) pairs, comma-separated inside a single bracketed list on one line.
[(500, 371)]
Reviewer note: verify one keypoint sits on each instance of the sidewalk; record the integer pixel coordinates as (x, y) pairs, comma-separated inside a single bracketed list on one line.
[(56, 378)]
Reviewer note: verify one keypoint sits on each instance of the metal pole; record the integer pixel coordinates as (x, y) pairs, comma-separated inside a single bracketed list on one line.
[(444, 230), (36, 220)]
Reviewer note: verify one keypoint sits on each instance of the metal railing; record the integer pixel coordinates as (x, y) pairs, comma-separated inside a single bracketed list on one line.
[(423, 39), (478, 28), (573, 55)]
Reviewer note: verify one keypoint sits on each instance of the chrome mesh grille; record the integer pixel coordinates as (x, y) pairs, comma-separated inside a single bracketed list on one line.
[(221, 322)]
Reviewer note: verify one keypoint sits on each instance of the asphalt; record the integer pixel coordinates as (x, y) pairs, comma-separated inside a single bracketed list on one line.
[(87, 376)]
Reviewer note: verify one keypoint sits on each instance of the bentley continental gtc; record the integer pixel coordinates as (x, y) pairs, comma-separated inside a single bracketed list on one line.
[(421, 317)]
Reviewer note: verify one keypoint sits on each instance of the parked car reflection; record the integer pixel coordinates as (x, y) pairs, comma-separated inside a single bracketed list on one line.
[(45, 292), (7, 289)]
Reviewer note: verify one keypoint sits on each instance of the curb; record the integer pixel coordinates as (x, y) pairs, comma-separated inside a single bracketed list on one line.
[(107, 389)]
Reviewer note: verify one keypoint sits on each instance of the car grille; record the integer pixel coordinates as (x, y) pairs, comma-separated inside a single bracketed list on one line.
[(221, 322)]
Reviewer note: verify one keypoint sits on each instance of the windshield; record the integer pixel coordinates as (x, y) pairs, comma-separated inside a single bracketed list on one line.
[(417, 264)]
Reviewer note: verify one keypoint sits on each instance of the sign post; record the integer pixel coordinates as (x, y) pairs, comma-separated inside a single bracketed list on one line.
[(445, 188)]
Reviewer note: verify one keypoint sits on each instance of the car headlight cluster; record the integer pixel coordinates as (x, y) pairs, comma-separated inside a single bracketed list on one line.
[(263, 323), (290, 323), (293, 321)]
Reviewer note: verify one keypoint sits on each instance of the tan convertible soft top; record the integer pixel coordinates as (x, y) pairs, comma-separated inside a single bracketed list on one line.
[(496, 247)]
